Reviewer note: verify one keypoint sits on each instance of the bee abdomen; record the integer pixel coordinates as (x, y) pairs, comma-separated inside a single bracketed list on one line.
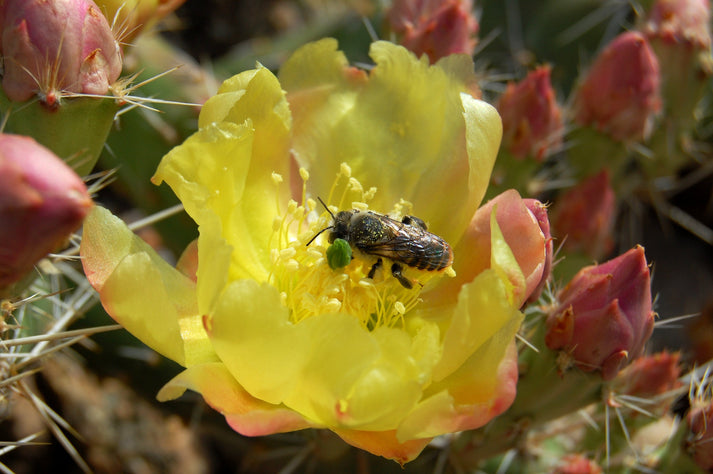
[(434, 257)]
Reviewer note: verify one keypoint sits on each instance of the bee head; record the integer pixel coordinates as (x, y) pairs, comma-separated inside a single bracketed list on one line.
[(340, 226)]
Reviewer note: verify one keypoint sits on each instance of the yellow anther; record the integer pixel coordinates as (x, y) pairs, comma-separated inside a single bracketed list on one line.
[(311, 204), (304, 174), (288, 252), (315, 253), (276, 178), (355, 185), (333, 305), (299, 212), (345, 170)]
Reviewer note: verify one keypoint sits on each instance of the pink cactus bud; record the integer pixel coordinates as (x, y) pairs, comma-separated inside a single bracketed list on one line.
[(620, 94), (583, 218), (577, 464), (651, 375), (605, 314), (532, 119), (700, 442), (41, 202), (56, 46), (435, 27), (679, 22)]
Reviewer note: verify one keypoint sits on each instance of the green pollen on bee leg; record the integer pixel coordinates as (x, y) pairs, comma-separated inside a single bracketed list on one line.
[(339, 254)]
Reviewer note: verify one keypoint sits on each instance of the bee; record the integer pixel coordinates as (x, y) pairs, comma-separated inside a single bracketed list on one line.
[(404, 243)]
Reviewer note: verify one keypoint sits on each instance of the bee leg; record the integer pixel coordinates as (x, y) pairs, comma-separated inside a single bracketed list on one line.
[(414, 221), (374, 267), (396, 272)]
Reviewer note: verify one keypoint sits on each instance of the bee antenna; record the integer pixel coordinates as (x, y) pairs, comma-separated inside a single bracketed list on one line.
[(317, 234), (325, 206)]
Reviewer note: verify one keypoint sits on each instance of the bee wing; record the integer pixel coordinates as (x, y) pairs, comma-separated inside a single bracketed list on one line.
[(410, 245), (401, 242)]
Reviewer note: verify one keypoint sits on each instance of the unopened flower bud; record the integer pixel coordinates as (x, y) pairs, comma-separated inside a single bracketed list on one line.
[(583, 218), (41, 202), (700, 442), (679, 33), (620, 94), (605, 315), (577, 464), (435, 27), (532, 119), (51, 47), (651, 375), (680, 22)]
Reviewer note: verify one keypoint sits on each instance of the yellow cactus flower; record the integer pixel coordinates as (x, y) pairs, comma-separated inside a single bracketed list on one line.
[(270, 334)]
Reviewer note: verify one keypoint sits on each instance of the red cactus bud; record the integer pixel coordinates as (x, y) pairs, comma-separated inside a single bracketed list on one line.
[(700, 443), (620, 93), (435, 27), (41, 202), (680, 22), (577, 464), (651, 375), (584, 217), (605, 314), (679, 32), (532, 119), (56, 46)]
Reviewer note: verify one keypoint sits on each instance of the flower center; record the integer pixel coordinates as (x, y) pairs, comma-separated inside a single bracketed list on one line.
[(309, 286)]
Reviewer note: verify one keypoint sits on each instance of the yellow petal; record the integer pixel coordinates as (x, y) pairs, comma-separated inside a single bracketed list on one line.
[(256, 97), (385, 443), (251, 333), (328, 367), (484, 129), (483, 310), (151, 299), (208, 173), (245, 414), (482, 388), (226, 170), (409, 129)]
